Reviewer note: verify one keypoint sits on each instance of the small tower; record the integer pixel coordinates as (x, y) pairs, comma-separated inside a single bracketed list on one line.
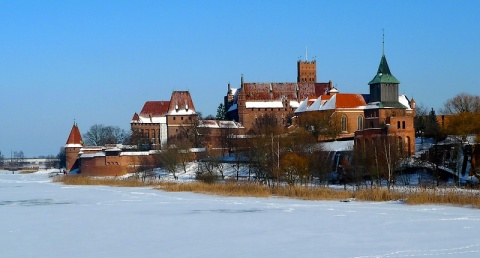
[(384, 86), (307, 71), (72, 148)]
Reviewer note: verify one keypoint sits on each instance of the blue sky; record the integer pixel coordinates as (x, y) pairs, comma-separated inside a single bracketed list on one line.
[(99, 61)]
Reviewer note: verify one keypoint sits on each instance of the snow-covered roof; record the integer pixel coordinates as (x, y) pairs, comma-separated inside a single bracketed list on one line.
[(233, 107), (302, 107), (92, 155), (404, 101), (294, 104), (181, 112), (219, 124), (315, 105), (73, 145), (134, 153), (151, 120), (92, 148), (264, 104), (337, 146)]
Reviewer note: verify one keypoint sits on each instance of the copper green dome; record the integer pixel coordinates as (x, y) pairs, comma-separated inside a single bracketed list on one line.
[(383, 74)]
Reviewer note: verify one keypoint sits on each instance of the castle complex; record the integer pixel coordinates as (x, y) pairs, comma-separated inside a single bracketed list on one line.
[(364, 118)]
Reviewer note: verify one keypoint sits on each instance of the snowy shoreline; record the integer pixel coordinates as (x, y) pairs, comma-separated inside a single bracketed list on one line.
[(43, 219)]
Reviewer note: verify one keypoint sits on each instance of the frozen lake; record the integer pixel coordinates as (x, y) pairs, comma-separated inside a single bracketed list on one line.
[(42, 219)]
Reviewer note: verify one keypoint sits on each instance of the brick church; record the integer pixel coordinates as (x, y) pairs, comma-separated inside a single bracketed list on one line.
[(368, 117), (253, 100), (363, 117)]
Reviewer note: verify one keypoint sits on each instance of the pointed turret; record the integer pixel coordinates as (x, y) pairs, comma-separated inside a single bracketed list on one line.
[(135, 117), (384, 86), (383, 74), (72, 148), (75, 138)]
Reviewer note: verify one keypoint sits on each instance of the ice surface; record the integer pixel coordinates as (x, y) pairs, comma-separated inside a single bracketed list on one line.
[(43, 219)]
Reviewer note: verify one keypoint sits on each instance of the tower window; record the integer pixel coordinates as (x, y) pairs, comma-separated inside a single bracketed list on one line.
[(344, 124), (360, 123)]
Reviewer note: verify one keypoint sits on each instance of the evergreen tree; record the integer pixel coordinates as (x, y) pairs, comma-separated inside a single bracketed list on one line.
[(221, 112), (432, 128)]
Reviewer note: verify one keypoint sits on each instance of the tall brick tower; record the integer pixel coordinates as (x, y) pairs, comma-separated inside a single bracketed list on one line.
[(72, 148), (307, 71)]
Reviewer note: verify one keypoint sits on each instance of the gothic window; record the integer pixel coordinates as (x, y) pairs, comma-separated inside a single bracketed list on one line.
[(360, 123), (403, 124), (398, 124), (400, 145), (344, 123)]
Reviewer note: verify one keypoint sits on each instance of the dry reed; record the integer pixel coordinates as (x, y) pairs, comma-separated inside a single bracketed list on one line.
[(415, 196)]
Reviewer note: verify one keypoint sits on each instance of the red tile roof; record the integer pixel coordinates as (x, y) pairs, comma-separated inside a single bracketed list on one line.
[(154, 108), (135, 117), (75, 137), (181, 100), (275, 91), (348, 100)]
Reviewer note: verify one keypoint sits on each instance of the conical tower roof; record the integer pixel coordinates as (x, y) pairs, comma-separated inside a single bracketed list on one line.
[(75, 138), (383, 74)]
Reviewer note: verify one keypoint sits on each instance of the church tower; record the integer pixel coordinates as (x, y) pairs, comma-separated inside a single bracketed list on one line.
[(384, 86), (307, 71), (72, 148)]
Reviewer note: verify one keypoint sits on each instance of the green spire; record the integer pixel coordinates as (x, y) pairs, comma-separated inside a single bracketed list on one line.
[(383, 74)]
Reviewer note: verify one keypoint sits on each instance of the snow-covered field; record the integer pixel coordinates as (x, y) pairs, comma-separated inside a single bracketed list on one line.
[(42, 219)]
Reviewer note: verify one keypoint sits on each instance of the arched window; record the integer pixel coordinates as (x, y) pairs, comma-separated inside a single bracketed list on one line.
[(400, 145), (360, 123), (398, 124), (403, 124), (344, 123)]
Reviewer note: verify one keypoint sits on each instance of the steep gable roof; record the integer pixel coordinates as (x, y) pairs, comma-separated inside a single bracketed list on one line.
[(155, 108), (135, 117), (181, 103), (75, 138), (383, 73)]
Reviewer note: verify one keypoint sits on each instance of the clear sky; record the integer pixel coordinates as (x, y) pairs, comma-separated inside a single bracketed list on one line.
[(98, 61)]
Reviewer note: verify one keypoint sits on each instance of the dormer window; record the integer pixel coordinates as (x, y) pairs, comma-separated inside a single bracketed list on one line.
[(176, 107), (186, 107)]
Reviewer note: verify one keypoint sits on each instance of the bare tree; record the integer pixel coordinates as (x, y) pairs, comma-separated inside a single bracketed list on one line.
[(62, 158), (1, 159), (169, 160), (461, 103), (464, 120), (294, 168), (100, 135), (207, 170), (195, 134)]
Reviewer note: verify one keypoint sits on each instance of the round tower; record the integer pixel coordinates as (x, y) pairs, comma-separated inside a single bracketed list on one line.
[(72, 148)]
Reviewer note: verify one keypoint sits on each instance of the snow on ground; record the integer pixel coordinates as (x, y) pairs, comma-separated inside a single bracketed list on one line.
[(43, 219)]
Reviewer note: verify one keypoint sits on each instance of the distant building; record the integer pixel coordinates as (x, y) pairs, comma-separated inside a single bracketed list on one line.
[(368, 117), (157, 124), (159, 121), (255, 99)]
